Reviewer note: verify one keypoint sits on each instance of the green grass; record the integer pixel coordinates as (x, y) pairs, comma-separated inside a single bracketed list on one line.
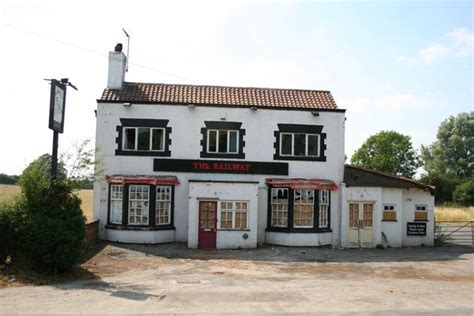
[(8, 192)]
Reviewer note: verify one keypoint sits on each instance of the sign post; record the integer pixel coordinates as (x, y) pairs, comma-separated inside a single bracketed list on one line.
[(57, 107)]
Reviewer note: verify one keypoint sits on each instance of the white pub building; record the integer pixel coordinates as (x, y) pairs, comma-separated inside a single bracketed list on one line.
[(233, 167)]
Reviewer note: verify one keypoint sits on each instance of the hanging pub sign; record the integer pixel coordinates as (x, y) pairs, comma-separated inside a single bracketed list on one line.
[(57, 106), (416, 229), (220, 166)]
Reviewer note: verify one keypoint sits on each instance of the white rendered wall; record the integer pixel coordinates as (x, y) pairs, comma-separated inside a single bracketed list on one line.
[(298, 239), (404, 201), (393, 230), (142, 237), (224, 192), (186, 137), (411, 198)]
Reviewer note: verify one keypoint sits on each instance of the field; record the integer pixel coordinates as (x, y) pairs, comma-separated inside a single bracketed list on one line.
[(445, 213), (8, 192)]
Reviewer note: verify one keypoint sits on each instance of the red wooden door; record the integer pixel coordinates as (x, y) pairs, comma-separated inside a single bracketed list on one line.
[(207, 224)]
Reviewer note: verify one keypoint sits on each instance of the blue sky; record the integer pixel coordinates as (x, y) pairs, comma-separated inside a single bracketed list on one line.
[(394, 65)]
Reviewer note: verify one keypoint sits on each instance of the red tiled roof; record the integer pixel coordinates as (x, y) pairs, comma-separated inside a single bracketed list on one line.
[(219, 95)]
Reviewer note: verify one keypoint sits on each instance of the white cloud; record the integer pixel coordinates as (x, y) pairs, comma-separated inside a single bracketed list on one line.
[(458, 43)]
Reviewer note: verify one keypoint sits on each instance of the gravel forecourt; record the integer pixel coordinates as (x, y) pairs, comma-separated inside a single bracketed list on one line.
[(169, 278)]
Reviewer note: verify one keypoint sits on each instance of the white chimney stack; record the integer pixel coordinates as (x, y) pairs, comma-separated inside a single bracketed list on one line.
[(117, 66)]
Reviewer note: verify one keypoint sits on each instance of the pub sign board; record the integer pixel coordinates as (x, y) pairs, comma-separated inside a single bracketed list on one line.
[(221, 166), (57, 106), (416, 229)]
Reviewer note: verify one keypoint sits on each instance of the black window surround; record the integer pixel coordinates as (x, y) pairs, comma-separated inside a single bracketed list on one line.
[(222, 125), (151, 123), (300, 129), (290, 228), (152, 210)]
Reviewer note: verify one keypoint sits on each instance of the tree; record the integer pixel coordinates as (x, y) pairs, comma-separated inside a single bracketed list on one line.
[(464, 193), (388, 151), (452, 153)]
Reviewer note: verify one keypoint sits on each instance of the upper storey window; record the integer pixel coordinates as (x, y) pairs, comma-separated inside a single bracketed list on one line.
[(299, 145), (143, 137), (222, 140), (300, 142)]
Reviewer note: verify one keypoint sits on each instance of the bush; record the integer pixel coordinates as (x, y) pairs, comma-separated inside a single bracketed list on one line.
[(464, 193), (51, 234), (7, 230)]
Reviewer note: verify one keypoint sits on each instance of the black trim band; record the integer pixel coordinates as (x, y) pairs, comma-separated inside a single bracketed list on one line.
[(127, 122), (304, 129), (217, 125)]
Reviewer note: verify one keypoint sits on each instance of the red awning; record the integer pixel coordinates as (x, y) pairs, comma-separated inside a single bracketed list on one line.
[(299, 183), (158, 180)]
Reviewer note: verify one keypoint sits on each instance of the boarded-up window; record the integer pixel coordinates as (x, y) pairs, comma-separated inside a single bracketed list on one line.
[(163, 205), (279, 207), (389, 213), (421, 213), (303, 208), (323, 208), (368, 214), (353, 215), (233, 214), (138, 204)]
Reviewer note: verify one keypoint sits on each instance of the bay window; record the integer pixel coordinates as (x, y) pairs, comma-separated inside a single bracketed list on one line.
[(279, 207), (298, 210), (138, 209)]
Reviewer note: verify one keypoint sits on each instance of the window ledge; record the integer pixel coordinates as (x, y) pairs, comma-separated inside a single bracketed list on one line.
[(389, 220), (233, 230), (421, 220), (140, 228), (299, 230)]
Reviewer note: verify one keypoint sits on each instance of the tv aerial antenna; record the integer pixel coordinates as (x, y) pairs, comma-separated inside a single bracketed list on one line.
[(128, 48)]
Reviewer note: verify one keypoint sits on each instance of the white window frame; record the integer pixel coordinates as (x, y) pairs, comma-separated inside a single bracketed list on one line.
[(279, 211), (164, 200), (234, 211), (113, 198), (163, 138), (130, 200), (323, 221), (306, 204), (228, 131), (293, 145)]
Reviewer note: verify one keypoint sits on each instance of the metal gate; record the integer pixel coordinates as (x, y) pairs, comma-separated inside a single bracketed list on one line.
[(455, 232)]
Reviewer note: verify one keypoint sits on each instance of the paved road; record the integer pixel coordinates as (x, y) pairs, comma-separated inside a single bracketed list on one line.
[(172, 279)]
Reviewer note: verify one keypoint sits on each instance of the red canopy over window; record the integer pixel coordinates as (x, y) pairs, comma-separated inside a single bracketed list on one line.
[(158, 180), (299, 183)]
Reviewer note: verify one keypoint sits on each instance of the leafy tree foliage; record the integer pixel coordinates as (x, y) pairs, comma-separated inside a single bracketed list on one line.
[(6, 179), (464, 193), (453, 151), (444, 184), (388, 151)]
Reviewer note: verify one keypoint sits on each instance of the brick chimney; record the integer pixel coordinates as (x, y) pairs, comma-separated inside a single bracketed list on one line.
[(117, 66)]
